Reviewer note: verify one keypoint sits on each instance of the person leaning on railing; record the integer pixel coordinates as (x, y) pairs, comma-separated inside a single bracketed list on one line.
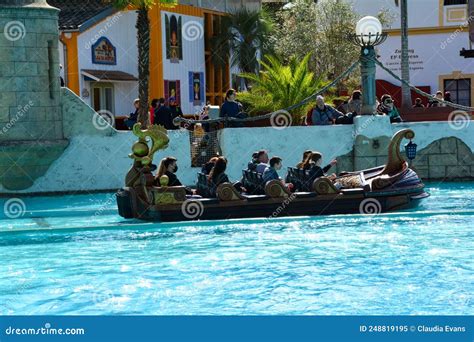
[(322, 114), (387, 107), (232, 108)]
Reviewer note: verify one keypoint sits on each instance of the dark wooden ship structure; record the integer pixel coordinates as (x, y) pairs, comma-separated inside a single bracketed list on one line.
[(390, 187)]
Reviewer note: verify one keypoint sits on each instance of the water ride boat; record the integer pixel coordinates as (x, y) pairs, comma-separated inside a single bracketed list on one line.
[(386, 188)]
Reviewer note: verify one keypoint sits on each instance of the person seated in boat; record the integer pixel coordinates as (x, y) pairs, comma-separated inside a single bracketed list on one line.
[(252, 164), (217, 176), (168, 167), (305, 156), (207, 167), (271, 172), (387, 107), (263, 159), (313, 164)]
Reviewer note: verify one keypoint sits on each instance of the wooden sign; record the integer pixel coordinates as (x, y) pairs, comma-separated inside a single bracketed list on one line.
[(103, 52)]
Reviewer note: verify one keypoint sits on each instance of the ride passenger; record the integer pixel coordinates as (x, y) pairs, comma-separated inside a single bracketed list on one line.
[(271, 172), (305, 156), (207, 167), (313, 164), (168, 167), (263, 159), (217, 175), (252, 164)]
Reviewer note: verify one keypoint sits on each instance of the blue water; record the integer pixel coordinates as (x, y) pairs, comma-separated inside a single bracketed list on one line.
[(412, 262)]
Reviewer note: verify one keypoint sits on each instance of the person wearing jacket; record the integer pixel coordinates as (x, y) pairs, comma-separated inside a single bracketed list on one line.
[(313, 164), (387, 107), (322, 114), (133, 117)]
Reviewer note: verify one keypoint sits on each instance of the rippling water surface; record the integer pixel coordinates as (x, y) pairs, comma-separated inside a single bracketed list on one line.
[(412, 262)]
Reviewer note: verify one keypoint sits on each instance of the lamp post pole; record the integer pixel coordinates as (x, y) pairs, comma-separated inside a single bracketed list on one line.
[(367, 71), (368, 34)]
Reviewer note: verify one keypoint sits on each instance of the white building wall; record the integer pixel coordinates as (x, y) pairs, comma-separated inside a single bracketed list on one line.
[(120, 29), (193, 57), (421, 13), (431, 55)]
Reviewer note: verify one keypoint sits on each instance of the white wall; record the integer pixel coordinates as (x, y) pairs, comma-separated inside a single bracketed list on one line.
[(421, 13), (120, 29), (433, 55), (193, 58)]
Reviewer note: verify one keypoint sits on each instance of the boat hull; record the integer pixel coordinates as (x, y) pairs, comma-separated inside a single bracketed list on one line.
[(304, 204)]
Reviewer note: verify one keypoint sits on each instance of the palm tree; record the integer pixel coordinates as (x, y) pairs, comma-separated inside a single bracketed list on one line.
[(244, 33), (405, 65), (279, 86), (143, 38)]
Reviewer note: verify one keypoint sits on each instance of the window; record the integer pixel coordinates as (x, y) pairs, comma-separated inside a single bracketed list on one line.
[(454, 2), (460, 90)]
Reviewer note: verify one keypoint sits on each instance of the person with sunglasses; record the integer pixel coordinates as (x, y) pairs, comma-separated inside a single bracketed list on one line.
[(387, 107)]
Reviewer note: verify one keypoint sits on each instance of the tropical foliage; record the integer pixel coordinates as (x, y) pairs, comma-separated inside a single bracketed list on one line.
[(143, 38), (242, 38), (279, 86)]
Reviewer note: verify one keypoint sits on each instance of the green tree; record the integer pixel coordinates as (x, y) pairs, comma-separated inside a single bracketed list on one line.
[(320, 29), (279, 86), (143, 38), (242, 38)]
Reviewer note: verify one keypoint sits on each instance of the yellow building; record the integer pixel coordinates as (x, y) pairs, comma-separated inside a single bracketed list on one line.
[(98, 49)]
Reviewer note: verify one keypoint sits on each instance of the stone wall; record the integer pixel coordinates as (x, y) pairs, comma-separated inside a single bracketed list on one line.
[(445, 159)]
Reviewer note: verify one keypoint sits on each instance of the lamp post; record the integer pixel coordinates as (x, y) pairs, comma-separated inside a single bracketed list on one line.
[(368, 34)]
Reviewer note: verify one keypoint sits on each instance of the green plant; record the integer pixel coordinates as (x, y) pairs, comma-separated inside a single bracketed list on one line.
[(278, 86), (143, 38), (242, 37)]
